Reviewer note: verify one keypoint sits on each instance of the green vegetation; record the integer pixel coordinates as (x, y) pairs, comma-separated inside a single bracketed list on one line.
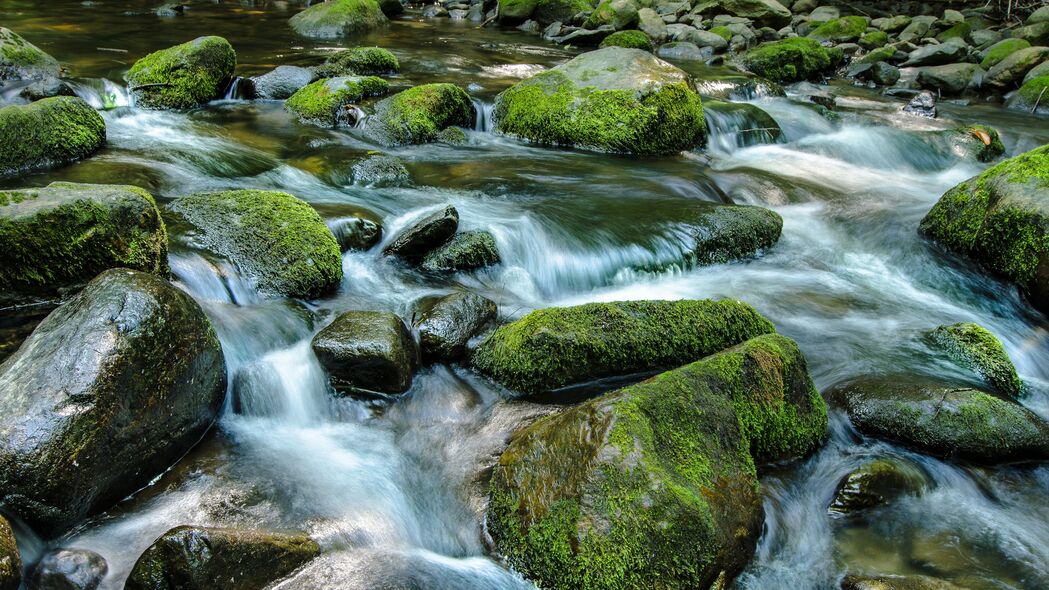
[(419, 114), (841, 30), (184, 76), (629, 39), (323, 101), (1002, 50), (466, 251), (974, 347), (21, 60), (338, 17), (359, 61), (48, 133), (791, 60)]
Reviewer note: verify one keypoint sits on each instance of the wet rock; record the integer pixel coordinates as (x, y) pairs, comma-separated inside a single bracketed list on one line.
[(999, 219), (359, 61), (763, 12), (726, 233), (391, 8), (276, 240), (1032, 97), (447, 326), (69, 569), (704, 39), (21, 60), (55, 239), (512, 12), (379, 170), (685, 51), (416, 241), (367, 352), (46, 88), (843, 30), (739, 87), (977, 143), (566, 11), (562, 346), (873, 40), (1035, 34), (973, 347), (950, 79), (629, 39), (355, 233), (985, 37), (619, 14), (89, 415), (202, 558), (937, 55), (586, 37), (281, 82), (922, 105), (1001, 50), (823, 14), (10, 558), (655, 475), (958, 31), (337, 18), (945, 420), (419, 114), (1038, 71), (466, 251), (612, 99), (791, 60), (875, 484), (1011, 70), (434, 11), (47, 134), (333, 101), (856, 582), (183, 76)]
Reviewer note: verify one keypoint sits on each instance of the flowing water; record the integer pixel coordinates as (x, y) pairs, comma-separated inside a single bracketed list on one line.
[(390, 490)]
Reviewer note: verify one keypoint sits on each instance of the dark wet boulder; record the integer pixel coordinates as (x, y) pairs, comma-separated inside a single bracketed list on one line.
[(975, 348), (1032, 97), (874, 484), (203, 558), (367, 351), (69, 569), (281, 82), (55, 239), (629, 40), (656, 481), (858, 582), (562, 346), (333, 101), (337, 18), (183, 76), (944, 419), (21, 60), (613, 99), (90, 413), (391, 8), (379, 170), (1010, 71), (10, 558), (1000, 220), (47, 134), (763, 12), (846, 29), (429, 233), (466, 251), (447, 325), (791, 60), (419, 114), (46, 88), (275, 239), (513, 12), (359, 61), (950, 79), (727, 233), (922, 105), (355, 233)]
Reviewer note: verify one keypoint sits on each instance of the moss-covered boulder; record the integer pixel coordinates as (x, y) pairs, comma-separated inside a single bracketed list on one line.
[(183, 76), (945, 420), (367, 351), (275, 239), (336, 18), (561, 346), (447, 324), (330, 102), (1001, 50), (21, 60), (1000, 219), (55, 239), (68, 569), (863, 582), (1032, 97), (107, 392), (359, 61), (1010, 72), (551, 11), (613, 99), (466, 251), (514, 12), (419, 114), (974, 347), (48, 133), (873, 40), (726, 233), (10, 558), (203, 558), (841, 30), (417, 240), (791, 60), (656, 481), (618, 14), (379, 170), (874, 484), (768, 13), (629, 40), (975, 143)]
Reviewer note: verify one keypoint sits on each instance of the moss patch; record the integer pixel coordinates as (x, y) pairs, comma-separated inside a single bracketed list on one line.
[(840, 30), (183, 76), (324, 101), (629, 39), (359, 61), (974, 347), (48, 133), (338, 17), (466, 251), (1002, 50), (419, 114), (21, 60), (790, 60)]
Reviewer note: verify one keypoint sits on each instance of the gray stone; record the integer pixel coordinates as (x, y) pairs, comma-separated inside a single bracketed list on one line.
[(367, 352)]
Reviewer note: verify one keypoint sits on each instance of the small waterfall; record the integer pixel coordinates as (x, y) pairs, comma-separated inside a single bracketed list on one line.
[(101, 93), (485, 110), (288, 384), (731, 126), (239, 89)]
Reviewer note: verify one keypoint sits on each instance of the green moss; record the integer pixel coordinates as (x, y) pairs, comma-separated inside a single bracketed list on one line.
[(958, 31), (183, 76), (359, 61), (723, 32), (974, 347), (1002, 50), (516, 11), (840, 30), (21, 60), (876, 55), (468, 250), (629, 39), (48, 133), (1032, 93), (324, 101), (549, 11), (619, 14), (338, 17), (419, 114), (874, 39), (790, 60), (978, 142), (556, 347)]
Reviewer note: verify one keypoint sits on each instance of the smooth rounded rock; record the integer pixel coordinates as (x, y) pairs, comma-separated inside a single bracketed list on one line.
[(367, 352), (338, 18), (447, 325), (281, 82), (69, 569), (184, 76), (466, 251), (47, 134), (21, 60), (429, 233)]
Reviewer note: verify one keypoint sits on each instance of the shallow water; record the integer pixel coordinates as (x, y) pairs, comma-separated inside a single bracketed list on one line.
[(390, 492)]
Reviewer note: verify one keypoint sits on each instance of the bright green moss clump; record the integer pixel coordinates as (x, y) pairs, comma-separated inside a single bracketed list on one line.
[(629, 39), (184, 76), (791, 60), (512, 12), (338, 17), (275, 239), (723, 32), (840, 30), (359, 61), (957, 31), (977, 142), (21, 60), (1032, 96), (976, 348), (48, 133), (556, 347), (1002, 50), (873, 40), (419, 114), (324, 101)]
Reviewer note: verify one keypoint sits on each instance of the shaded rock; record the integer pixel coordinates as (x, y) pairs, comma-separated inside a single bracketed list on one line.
[(380, 170), (958, 31), (937, 55), (629, 39), (359, 61), (873, 40), (950, 79), (275, 239), (89, 414), (337, 18), (333, 101), (892, 24), (1038, 71), (985, 37), (281, 82), (843, 30), (740, 87), (46, 88), (391, 8), (202, 558), (69, 569), (416, 241), (922, 105), (1011, 70), (978, 143), (419, 114), (1032, 97), (466, 251), (973, 347), (763, 12), (856, 582), (585, 37), (21, 60), (685, 51), (705, 39), (552, 11), (822, 14), (355, 233), (434, 11), (791, 60), (47, 134), (875, 484), (1035, 34), (447, 326), (183, 76), (917, 29), (10, 558), (652, 25), (512, 12), (367, 351)]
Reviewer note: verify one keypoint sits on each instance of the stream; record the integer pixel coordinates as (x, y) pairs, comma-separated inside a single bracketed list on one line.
[(388, 490)]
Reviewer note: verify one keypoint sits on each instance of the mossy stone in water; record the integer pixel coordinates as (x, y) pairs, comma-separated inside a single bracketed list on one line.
[(977, 142), (613, 99), (21, 60), (419, 114), (656, 481), (429, 233), (1001, 50), (857, 582), (183, 76), (550, 11), (359, 61), (1032, 97), (975, 348), (873, 40), (446, 327), (769, 13), (618, 14), (841, 30), (561, 346), (468, 250), (337, 18), (324, 102), (10, 558), (725, 233), (629, 40), (791, 60), (48, 133), (275, 239), (514, 12), (873, 484)]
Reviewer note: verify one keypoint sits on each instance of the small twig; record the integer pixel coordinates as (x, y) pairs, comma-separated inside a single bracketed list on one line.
[(1038, 100)]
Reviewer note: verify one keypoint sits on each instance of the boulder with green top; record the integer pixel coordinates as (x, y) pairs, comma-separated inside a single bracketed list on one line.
[(419, 114), (1010, 71), (183, 76), (618, 14), (977, 143), (466, 251), (359, 61), (47, 134), (557, 347), (1000, 220), (740, 124), (202, 558), (278, 241), (448, 324), (514, 12), (1032, 97), (767, 13), (337, 18), (629, 40), (367, 352), (107, 393), (21, 60), (843, 30), (858, 582), (725, 233), (55, 239), (974, 347), (331, 101), (791, 60), (873, 40), (959, 30), (875, 484), (613, 99), (1001, 50), (656, 481), (10, 558), (551, 11)]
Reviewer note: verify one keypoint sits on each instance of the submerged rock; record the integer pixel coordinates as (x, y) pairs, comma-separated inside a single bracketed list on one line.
[(447, 326), (21, 60), (975, 142), (419, 114), (203, 558), (856, 582), (337, 18), (46, 88), (55, 239), (10, 558), (332, 101), (183, 76), (749, 124), (612, 99), (657, 480), (922, 105), (371, 351), (275, 239), (875, 484), (380, 170), (791, 60), (417, 240), (561, 346), (47, 134), (973, 347), (106, 393), (359, 61), (466, 251), (281, 82), (69, 569)]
